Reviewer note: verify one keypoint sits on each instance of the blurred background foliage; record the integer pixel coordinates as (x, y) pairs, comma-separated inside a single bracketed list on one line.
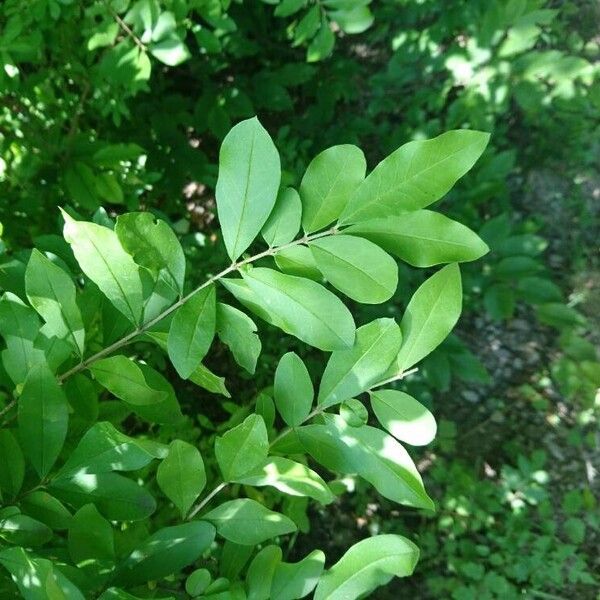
[(109, 106)]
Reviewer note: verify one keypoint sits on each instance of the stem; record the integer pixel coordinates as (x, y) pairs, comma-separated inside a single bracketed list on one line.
[(125, 27), (206, 500), (146, 326), (8, 407), (396, 377)]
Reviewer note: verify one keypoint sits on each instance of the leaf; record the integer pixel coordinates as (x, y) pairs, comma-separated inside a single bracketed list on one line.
[(206, 379), (125, 379), (370, 453), (22, 530), (36, 578), (153, 245), (52, 293), (245, 521), (243, 448), (354, 412), (422, 238), (330, 180), (303, 308), (322, 44), (261, 571), (297, 580), (165, 552), (355, 20), (367, 565), (181, 475), (289, 477), (405, 418), (43, 417), (238, 331), (430, 316), (415, 175), (103, 259), (12, 472), (103, 449), (80, 182), (90, 536), (284, 222), (356, 267), (170, 51), (46, 508), (351, 372), (192, 331), (294, 392), (197, 582), (116, 497), (300, 261), (249, 177)]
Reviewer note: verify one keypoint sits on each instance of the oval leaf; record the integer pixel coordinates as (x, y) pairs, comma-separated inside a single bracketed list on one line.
[(293, 389), (284, 222)]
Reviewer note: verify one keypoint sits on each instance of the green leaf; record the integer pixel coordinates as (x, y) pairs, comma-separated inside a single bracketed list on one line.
[(245, 521), (192, 331), (46, 508), (294, 392), (286, 8), (261, 571), (36, 578), (249, 177), (370, 453), (153, 245), (351, 372), (356, 267), (238, 331), (303, 308), (170, 51), (125, 379), (322, 44), (330, 180), (298, 260), (197, 582), (116, 497), (52, 293), (430, 316), (43, 416), (367, 565), (167, 551), (297, 580), (90, 536), (289, 477), (355, 20), (80, 182), (103, 449), (243, 448), (423, 238), (415, 175), (12, 471), (206, 379), (308, 25), (354, 412), (284, 222), (405, 418), (108, 188), (22, 530), (181, 475), (103, 259)]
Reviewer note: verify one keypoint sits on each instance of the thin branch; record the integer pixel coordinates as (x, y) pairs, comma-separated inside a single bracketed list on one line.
[(148, 325), (125, 27), (8, 407), (206, 500), (397, 377)]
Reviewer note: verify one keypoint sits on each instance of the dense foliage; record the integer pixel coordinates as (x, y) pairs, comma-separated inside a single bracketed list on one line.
[(159, 441)]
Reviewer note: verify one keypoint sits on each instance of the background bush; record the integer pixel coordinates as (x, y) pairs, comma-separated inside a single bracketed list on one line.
[(116, 106)]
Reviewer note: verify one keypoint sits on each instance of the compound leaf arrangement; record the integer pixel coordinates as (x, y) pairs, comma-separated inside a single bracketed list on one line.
[(105, 494)]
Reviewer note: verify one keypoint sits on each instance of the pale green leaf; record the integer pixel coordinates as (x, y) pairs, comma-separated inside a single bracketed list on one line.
[(103, 259), (297, 580), (415, 175), (430, 316), (298, 260), (249, 177), (52, 293), (243, 448), (43, 417), (404, 417), (238, 331), (192, 331), (330, 180), (367, 565), (284, 222), (261, 571), (206, 379), (423, 238), (303, 308), (293, 389), (289, 477), (245, 521), (356, 267), (181, 475), (353, 371)]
